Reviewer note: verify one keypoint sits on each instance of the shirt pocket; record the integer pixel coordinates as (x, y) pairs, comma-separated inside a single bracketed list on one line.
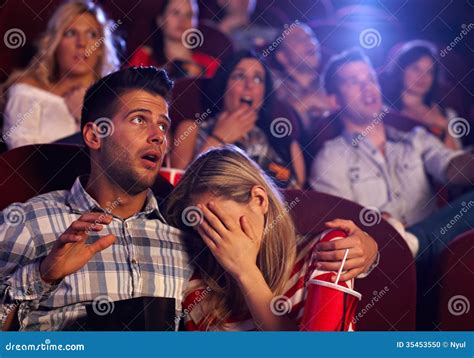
[(414, 181), (369, 187)]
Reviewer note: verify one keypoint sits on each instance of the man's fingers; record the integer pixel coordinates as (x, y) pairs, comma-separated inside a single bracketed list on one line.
[(102, 243), (81, 226), (349, 275), (335, 255), (345, 225), (96, 218), (349, 242), (335, 266), (71, 238)]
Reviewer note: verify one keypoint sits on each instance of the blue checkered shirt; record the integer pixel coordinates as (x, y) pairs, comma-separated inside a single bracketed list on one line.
[(148, 258)]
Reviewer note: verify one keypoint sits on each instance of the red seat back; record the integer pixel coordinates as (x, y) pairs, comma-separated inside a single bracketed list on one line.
[(389, 292), (215, 42), (36, 169)]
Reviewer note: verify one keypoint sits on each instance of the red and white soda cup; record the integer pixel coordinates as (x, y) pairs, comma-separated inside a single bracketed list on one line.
[(173, 175), (329, 306)]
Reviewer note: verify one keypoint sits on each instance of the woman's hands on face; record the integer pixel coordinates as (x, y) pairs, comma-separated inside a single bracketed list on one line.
[(233, 242), (232, 126)]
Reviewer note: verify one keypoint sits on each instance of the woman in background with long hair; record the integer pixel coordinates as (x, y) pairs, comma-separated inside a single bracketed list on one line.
[(44, 101), (410, 85), (240, 98), (173, 38)]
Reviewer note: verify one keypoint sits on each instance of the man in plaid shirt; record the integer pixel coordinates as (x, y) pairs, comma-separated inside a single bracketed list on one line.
[(105, 238)]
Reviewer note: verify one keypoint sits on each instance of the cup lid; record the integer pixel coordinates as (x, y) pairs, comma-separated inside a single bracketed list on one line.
[(336, 287)]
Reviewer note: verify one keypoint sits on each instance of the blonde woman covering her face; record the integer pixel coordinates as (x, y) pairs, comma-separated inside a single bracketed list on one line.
[(247, 254)]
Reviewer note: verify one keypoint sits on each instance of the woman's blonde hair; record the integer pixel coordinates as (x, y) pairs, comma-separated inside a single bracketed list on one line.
[(43, 67), (229, 173)]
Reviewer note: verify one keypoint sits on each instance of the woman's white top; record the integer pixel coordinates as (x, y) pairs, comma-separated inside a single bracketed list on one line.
[(33, 115)]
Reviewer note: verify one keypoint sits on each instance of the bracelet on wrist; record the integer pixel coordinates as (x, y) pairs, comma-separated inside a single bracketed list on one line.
[(220, 140)]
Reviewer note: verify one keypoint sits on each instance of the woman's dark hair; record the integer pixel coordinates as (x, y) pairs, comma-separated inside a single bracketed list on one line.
[(216, 88), (175, 68), (392, 80), (158, 39)]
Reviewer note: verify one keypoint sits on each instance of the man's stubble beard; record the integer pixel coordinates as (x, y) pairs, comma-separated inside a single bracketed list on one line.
[(118, 165)]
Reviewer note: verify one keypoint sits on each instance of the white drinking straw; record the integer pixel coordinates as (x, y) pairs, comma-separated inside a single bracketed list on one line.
[(342, 265)]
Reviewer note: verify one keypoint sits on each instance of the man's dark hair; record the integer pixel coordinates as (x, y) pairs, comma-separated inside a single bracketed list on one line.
[(101, 99), (330, 76)]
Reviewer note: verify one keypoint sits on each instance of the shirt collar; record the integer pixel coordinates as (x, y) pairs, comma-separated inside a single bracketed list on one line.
[(79, 200), (356, 138)]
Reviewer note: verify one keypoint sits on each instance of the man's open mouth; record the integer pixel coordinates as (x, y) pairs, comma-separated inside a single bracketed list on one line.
[(151, 159)]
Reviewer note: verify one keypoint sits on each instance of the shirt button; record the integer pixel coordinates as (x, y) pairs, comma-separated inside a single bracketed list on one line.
[(126, 225), (397, 194), (134, 262)]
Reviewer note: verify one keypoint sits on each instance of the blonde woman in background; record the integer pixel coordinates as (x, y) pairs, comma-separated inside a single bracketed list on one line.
[(249, 253), (43, 102)]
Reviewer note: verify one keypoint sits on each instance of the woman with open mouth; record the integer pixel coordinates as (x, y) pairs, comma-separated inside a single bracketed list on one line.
[(241, 99)]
